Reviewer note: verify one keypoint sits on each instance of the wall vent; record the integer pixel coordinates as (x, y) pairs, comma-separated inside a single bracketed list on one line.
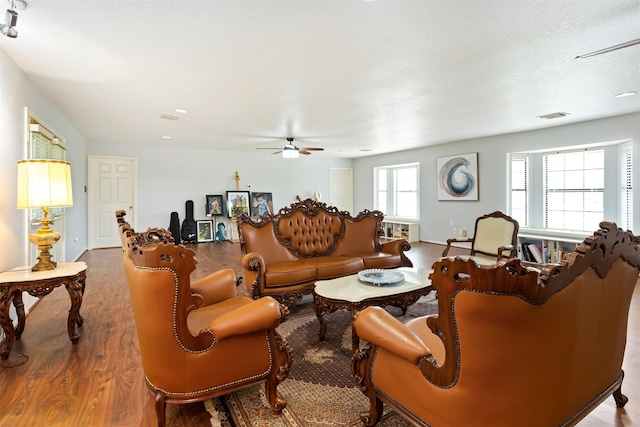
[(169, 116), (554, 115)]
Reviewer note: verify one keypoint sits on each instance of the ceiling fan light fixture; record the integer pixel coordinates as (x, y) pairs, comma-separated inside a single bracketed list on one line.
[(289, 152)]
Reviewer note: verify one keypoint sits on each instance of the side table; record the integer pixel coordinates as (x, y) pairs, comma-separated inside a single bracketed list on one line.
[(38, 284)]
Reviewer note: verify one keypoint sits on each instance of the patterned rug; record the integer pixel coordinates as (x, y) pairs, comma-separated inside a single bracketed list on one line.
[(320, 390)]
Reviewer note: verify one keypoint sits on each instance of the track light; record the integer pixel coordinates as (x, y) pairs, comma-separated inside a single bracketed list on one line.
[(10, 20)]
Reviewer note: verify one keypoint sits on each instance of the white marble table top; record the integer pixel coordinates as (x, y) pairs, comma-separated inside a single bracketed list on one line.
[(24, 274), (351, 289)]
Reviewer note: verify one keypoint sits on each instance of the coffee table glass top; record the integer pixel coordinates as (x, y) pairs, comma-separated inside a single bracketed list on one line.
[(350, 288)]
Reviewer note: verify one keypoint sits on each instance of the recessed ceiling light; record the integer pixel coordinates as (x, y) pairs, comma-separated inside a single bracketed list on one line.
[(166, 137), (554, 115), (181, 111), (625, 94)]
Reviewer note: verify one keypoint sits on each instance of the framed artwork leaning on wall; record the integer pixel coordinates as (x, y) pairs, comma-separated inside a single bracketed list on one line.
[(205, 230), (237, 201), (214, 205), (261, 204)]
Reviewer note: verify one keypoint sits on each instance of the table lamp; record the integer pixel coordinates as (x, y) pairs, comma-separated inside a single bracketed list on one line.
[(44, 184)]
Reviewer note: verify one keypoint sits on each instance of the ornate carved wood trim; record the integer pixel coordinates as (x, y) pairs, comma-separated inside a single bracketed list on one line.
[(309, 208), (535, 286)]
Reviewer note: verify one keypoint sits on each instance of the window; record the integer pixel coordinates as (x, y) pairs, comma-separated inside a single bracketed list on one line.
[(396, 192), (574, 190), (45, 144), (626, 168), (519, 189)]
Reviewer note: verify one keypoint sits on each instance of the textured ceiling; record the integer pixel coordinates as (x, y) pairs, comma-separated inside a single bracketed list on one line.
[(344, 75)]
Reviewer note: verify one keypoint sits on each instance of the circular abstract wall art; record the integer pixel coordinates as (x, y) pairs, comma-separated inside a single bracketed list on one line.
[(457, 178)]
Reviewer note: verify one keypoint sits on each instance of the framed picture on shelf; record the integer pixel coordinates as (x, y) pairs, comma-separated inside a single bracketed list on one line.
[(215, 205), (458, 177), (261, 204), (237, 201), (221, 230), (205, 230)]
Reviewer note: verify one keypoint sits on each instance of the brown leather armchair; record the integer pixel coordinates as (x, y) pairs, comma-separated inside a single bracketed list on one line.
[(511, 345), (495, 237), (201, 340)]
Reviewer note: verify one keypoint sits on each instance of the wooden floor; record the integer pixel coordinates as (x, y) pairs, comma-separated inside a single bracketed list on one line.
[(99, 382)]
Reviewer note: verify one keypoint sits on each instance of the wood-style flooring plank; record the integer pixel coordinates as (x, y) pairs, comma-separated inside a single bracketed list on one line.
[(100, 381)]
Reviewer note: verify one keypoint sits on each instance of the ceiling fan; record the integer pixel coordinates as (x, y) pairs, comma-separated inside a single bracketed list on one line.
[(290, 151)]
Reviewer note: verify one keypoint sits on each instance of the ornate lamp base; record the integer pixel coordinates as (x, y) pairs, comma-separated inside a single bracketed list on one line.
[(44, 239), (44, 259)]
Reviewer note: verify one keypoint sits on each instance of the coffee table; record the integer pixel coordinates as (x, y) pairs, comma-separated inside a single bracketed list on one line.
[(350, 293)]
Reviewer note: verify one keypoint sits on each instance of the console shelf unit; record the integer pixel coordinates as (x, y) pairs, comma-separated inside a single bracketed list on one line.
[(552, 245), (396, 229)]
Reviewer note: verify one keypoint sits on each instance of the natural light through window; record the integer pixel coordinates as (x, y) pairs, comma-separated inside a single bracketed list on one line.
[(396, 193), (519, 194), (572, 190)]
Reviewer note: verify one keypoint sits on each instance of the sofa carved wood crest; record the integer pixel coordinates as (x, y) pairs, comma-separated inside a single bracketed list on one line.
[(199, 339), (511, 345), (285, 253)]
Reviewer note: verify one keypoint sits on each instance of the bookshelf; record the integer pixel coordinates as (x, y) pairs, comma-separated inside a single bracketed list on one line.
[(410, 231), (547, 246)]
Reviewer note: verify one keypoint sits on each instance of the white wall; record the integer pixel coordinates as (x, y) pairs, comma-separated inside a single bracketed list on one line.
[(19, 92), (169, 176), (492, 166)]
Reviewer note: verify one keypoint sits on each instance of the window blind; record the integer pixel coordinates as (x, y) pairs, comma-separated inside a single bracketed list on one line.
[(519, 189), (574, 189), (626, 168)]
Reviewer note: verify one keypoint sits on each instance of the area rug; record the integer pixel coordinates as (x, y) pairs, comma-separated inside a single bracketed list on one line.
[(320, 389)]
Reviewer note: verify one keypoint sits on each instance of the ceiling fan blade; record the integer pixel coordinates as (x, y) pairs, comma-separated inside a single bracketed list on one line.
[(277, 152), (311, 148), (301, 151), (266, 148)]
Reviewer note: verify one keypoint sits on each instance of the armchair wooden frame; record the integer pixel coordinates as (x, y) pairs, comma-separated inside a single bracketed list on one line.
[(508, 250)]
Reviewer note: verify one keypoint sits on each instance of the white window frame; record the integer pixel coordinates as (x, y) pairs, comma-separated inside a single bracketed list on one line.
[(388, 202), (626, 186), (617, 193), (578, 211), (523, 219), (44, 143)]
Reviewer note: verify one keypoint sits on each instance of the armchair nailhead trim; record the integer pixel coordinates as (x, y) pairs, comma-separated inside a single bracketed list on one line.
[(175, 314), (206, 390)]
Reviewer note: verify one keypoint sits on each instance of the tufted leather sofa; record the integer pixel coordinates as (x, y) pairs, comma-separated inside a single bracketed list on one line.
[(511, 346), (284, 254)]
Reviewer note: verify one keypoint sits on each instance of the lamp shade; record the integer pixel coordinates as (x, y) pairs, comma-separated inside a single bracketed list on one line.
[(44, 183)]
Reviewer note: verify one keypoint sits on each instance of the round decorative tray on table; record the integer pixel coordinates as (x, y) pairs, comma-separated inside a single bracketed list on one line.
[(380, 277)]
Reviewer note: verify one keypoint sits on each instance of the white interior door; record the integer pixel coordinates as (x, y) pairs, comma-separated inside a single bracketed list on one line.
[(111, 187), (341, 188)]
